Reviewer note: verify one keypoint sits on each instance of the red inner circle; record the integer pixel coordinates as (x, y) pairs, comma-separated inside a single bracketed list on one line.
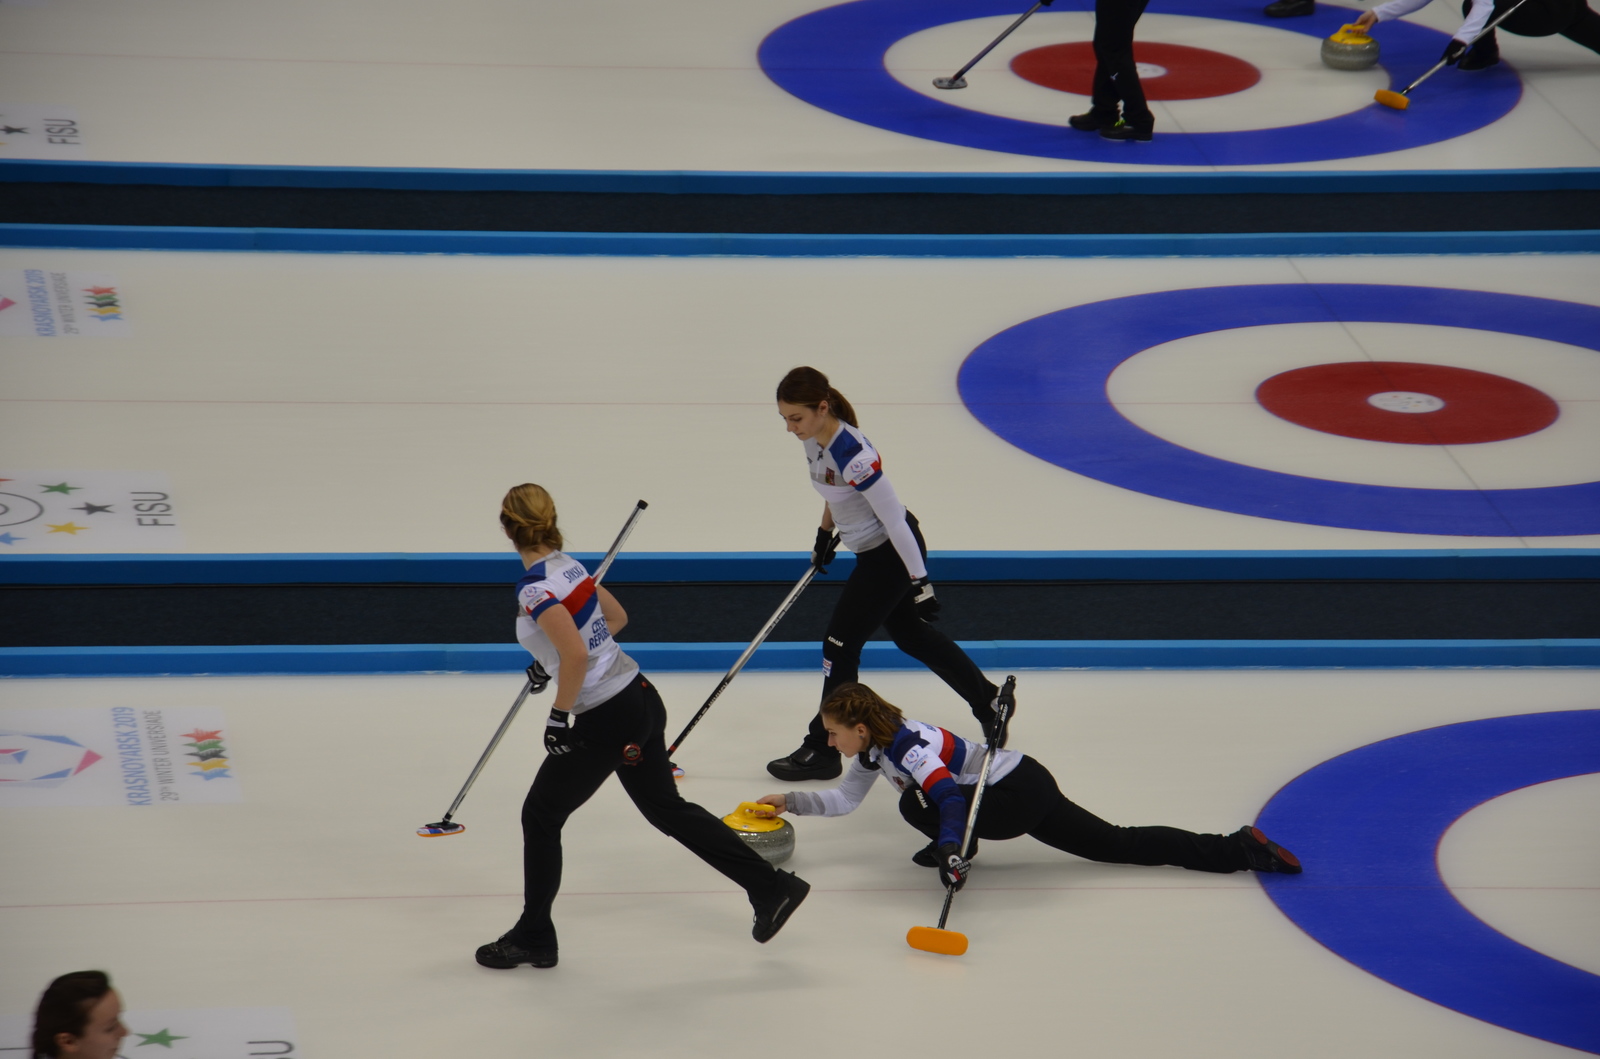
[(1478, 407), (1192, 73)]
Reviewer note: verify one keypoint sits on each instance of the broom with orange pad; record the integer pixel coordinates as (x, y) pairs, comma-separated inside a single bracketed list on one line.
[(953, 942), (1402, 99)]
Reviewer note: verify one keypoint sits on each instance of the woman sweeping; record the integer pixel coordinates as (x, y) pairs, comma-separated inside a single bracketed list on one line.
[(889, 586), (606, 718), (936, 772)]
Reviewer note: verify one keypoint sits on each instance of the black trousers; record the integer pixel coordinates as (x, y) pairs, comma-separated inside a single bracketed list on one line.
[(1028, 802), (634, 715), (1573, 19), (1115, 76), (878, 592)]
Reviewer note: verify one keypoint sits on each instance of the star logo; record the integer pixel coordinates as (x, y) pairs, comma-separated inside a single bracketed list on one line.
[(164, 1038), (64, 489), (7, 130), (93, 509), (6, 538), (67, 527), (217, 774), (100, 290), (200, 735)]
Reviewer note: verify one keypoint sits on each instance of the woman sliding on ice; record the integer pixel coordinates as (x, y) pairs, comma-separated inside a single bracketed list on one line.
[(936, 771)]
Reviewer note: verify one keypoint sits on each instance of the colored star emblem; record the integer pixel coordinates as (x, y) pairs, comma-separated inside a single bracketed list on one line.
[(6, 538), (200, 735), (218, 774), (101, 290), (8, 130), (67, 527), (164, 1038), (63, 488), (92, 509)]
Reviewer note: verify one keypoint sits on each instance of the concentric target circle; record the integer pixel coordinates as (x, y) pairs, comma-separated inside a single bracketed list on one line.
[(834, 59), (1167, 71), (1383, 906), (16, 509), (1042, 385), (1408, 404)]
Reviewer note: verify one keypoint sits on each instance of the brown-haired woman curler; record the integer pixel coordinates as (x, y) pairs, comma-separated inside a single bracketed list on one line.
[(889, 586), (936, 773)]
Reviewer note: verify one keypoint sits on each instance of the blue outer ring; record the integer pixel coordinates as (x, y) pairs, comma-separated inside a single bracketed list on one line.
[(833, 59), (1041, 386), (1367, 825)]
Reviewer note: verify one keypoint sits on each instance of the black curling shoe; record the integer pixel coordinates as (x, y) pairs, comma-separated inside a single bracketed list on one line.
[(928, 856), (1265, 854), (1092, 122), (508, 952), (772, 914), (1481, 56), (807, 764), (1123, 131), (1289, 8)]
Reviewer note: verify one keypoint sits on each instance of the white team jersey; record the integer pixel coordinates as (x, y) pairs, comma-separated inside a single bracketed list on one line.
[(1478, 15), (560, 580), (923, 756), (841, 473)]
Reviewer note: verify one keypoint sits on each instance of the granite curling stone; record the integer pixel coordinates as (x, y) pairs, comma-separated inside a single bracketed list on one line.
[(767, 834), (1350, 49)]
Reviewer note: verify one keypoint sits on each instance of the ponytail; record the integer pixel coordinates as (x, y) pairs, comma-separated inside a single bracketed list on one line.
[(853, 704), (808, 387), (529, 516)]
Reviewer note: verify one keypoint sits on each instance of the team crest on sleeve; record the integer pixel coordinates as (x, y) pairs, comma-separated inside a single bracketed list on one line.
[(533, 596), (861, 468)]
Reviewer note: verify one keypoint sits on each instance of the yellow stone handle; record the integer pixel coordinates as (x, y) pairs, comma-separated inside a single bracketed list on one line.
[(1350, 33), (754, 816)]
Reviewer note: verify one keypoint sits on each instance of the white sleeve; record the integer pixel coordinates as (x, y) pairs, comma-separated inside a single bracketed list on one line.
[(1477, 18), (892, 513), (1395, 8), (838, 800)]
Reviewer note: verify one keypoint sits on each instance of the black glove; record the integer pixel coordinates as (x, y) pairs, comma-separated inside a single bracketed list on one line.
[(924, 600), (538, 677), (1453, 52), (558, 735), (823, 551), (952, 869), (989, 716)]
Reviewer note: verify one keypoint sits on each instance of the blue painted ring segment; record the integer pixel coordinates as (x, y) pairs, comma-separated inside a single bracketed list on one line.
[(1367, 825), (1041, 386), (834, 59)]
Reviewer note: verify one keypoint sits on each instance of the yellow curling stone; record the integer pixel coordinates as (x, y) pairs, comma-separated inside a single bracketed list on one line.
[(767, 834), (1350, 49)]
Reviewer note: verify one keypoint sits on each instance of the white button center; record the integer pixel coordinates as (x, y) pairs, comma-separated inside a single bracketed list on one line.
[(1405, 401), (1150, 70)]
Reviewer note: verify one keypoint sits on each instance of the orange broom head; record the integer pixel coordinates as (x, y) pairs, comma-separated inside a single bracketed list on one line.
[(1392, 99), (932, 939)]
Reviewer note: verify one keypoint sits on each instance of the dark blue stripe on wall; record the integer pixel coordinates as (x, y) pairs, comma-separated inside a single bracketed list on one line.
[(660, 567), (658, 244), (757, 183), (801, 657)]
